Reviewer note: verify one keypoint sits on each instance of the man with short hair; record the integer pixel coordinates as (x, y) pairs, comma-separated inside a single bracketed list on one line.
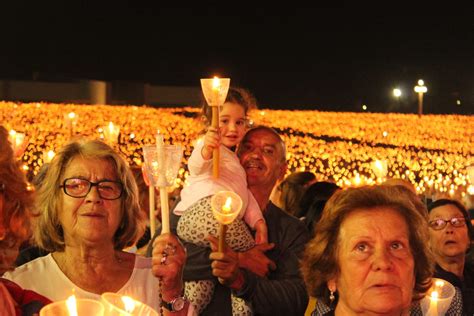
[(267, 276)]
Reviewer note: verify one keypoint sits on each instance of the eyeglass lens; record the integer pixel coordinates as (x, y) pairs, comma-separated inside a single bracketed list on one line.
[(109, 190), (440, 223)]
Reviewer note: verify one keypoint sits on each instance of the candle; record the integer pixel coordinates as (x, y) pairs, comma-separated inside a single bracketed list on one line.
[(72, 305), (151, 200), (165, 217), (433, 311), (128, 303), (216, 85), (226, 209)]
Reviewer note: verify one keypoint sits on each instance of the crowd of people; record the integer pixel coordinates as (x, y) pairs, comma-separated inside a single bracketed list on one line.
[(299, 246)]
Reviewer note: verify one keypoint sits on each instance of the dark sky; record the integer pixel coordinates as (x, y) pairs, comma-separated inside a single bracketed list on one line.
[(327, 58)]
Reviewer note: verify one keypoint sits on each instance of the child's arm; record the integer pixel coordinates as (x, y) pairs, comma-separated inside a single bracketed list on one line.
[(261, 232), (211, 141), (254, 218)]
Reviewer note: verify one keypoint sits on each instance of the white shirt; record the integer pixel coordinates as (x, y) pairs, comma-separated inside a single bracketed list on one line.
[(44, 276)]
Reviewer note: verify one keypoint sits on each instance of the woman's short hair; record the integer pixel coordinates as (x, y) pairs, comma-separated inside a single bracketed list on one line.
[(236, 95), (460, 207), (319, 264), (16, 199), (48, 231)]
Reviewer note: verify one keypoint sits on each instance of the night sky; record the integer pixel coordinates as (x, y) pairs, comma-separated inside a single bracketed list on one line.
[(327, 58)]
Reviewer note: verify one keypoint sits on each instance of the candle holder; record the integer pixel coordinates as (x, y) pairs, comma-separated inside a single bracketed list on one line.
[(111, 133), (161, 166), (215, 92), (118, 305), (225, 206), (438, 298), (73, 307), (380, 169)]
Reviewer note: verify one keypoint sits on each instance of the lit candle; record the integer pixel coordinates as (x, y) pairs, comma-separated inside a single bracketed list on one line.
[(165, 216), (226, 209), (72, 305), (128, 303), (433, 311)]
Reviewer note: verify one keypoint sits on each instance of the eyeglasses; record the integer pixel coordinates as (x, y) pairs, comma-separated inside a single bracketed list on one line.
[(440, 223), (79, 188)]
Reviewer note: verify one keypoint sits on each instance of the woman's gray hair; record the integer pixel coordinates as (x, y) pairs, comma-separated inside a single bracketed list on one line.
[(48, 232)]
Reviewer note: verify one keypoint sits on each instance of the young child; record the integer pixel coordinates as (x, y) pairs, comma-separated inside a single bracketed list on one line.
[(197, 221)]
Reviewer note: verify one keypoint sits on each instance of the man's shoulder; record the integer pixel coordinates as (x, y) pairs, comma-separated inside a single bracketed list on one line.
[(274, 212)]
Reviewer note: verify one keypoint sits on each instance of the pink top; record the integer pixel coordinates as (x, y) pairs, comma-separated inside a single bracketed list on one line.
[(232, 177)]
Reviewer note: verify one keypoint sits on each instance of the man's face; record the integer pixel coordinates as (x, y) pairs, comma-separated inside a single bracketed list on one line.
[(262, 156)]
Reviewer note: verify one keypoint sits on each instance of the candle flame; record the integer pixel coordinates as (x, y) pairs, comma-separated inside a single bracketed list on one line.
[(434, 295), (216, 83), (111, 126), (71, 115), (72, 305), (12, 133), (226, 208), (129, 304), (439, 283)]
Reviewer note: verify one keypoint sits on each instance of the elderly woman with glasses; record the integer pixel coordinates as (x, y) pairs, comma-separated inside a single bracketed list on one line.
[(89, 212), (451, 234)]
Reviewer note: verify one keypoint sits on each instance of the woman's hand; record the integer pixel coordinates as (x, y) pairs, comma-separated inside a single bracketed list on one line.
[(169, 257), (211, 142)]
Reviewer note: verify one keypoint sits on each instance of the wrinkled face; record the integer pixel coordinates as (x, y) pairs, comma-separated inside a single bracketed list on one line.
[(90, 219), (376, 264), (261, 154), (449, 241), (231, 124)]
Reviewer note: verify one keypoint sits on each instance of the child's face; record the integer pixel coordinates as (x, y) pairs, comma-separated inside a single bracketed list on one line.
[(231, 124)]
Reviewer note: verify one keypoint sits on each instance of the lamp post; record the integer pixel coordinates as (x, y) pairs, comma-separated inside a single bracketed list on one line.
[(420, 89)]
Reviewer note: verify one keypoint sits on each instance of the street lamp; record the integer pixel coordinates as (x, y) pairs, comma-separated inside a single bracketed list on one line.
[(420, 89), (397, 93)]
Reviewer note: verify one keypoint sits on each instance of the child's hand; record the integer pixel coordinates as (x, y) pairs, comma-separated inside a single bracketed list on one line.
[(261, 233), (211, 141)]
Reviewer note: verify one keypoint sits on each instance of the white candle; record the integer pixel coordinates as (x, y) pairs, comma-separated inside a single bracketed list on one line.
[(165, 216)]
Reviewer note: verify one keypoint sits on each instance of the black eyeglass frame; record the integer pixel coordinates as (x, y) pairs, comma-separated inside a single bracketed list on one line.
[(92, 184), (460, 219)]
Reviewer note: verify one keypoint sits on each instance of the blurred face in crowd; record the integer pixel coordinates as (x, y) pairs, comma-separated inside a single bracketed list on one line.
[(376, 265), (262, 156), (452, 240), (90, 218)]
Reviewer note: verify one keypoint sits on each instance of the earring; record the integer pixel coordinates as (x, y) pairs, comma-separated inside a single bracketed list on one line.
[(331, 297)]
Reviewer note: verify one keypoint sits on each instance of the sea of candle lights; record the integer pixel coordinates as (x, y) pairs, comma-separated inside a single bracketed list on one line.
[(431, 151)]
